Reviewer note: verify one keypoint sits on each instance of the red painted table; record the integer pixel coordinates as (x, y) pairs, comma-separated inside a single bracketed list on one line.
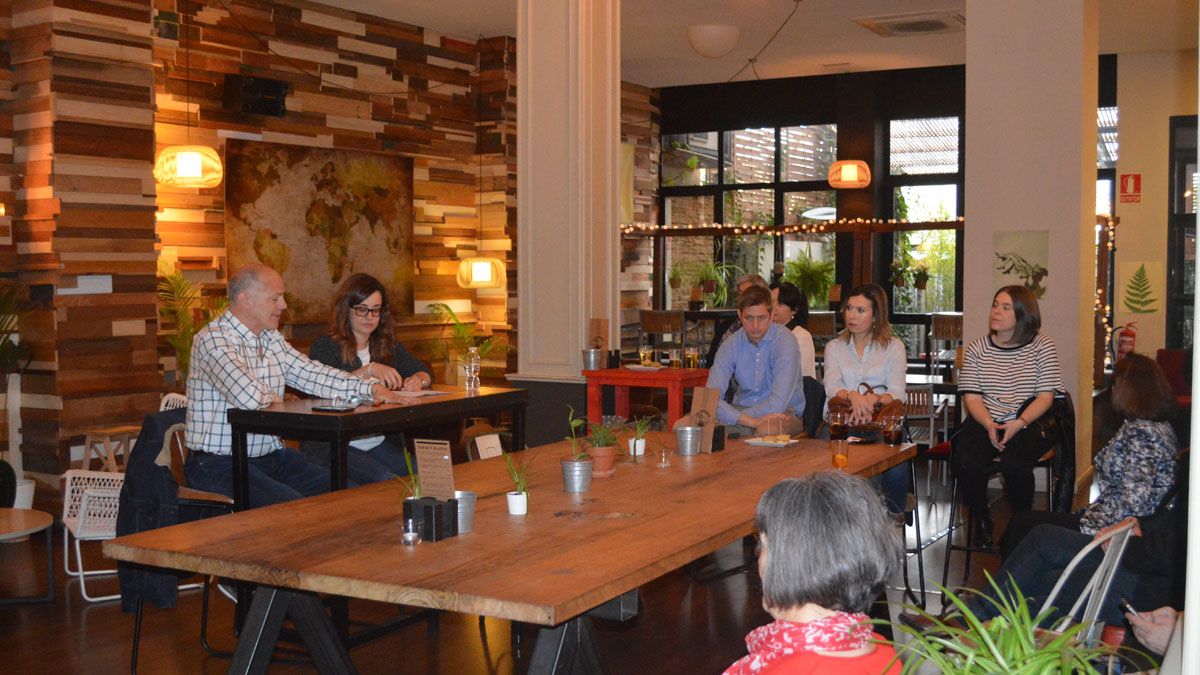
[(671, 379)]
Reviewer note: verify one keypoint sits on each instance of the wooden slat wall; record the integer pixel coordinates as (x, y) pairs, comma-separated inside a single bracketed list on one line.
[(8, 249), (96, 88), (640, 122)]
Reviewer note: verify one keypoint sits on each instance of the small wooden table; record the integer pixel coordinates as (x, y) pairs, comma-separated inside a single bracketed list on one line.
[(671, 379), (573, 553), (17, 523)]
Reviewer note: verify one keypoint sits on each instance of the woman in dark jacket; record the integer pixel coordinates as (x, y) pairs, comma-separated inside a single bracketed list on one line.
[(361, 341)]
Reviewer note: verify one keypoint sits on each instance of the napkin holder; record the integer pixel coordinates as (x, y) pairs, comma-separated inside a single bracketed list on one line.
[(439, 517)]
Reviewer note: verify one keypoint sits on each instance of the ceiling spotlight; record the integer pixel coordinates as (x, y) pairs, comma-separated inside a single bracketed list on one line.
[(713, 41)]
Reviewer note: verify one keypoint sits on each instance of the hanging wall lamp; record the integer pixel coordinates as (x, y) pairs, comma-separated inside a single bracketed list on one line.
[(188, 166), (480, 273), (849, 174)]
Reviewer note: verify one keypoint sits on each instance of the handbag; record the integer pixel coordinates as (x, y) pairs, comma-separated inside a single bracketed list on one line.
[(893, 407)]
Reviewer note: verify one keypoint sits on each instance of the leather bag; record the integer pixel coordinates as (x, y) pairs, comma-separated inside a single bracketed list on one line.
[(842, 404)]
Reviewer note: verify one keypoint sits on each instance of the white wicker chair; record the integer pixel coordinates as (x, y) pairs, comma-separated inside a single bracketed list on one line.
[(90, 500), (172, 401)]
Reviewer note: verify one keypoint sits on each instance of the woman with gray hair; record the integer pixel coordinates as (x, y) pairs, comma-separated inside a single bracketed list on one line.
[(826, 550)]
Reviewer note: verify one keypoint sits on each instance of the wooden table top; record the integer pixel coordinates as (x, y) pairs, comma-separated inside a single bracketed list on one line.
[(17, 523), (647, 377), (570, 554)]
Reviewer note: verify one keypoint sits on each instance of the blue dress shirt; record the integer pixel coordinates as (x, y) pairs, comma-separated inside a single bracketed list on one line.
[(767, 374)]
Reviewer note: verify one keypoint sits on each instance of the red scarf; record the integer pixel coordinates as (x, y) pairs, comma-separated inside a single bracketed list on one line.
[(838, 632)]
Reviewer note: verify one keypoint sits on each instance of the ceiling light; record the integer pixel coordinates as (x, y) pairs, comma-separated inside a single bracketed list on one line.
[(713, 41)]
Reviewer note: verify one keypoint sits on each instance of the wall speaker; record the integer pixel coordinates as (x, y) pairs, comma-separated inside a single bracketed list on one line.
[(254, 95)]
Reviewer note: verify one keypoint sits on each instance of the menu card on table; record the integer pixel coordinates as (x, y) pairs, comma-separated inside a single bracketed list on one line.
[(435, 467)]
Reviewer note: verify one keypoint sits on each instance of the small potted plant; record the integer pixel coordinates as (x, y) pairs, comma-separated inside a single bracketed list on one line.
[(675, 277), (920, 276), (602, 442), (637, 444), (897, 272), (411, 482), (518, 498), (577, 469), (961, 642)]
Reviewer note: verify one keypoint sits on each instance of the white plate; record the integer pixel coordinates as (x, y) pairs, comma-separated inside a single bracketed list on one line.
[(638, 366), (770, 444)]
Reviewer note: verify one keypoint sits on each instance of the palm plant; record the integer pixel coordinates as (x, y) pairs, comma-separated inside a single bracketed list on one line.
[(462, 336), (14, 355), (179, 301)]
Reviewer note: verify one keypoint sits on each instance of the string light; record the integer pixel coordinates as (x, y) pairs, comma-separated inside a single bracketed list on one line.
[(1103, 309), (799, 228)]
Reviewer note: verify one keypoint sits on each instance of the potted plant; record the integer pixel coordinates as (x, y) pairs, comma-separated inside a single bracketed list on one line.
[(603, 448), (411, 482), (920, 276), (462, 337), (813, 277), (518, 498), (713, 279), (577, 469), (182, 307), (961, 642), (637, 444), (675, 277), (897, 272)]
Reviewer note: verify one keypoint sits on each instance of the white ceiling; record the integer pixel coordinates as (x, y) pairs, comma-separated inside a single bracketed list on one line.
[(822, 38)]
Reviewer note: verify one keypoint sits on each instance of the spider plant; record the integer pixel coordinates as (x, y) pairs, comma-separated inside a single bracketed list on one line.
[(411, 482), (601, 435), (1011, 642), (641, 425), (518, 472)]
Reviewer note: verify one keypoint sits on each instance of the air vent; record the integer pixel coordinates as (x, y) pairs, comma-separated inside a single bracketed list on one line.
[(919, 23)]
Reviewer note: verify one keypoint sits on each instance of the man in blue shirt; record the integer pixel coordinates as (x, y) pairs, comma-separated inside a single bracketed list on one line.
[(764, 359)]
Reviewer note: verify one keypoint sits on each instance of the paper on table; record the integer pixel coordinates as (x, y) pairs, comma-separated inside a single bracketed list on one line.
[(419, 393)]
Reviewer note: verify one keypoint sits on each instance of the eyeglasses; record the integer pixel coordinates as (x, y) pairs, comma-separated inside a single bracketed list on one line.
[(363, 310)]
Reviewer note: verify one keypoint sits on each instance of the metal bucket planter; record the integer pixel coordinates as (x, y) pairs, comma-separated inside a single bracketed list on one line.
[(687, 440), (577, 475), (594, 359)]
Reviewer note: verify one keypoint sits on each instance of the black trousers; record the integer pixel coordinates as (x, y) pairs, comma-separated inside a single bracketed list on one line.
[(973, 459), (1022, 524)]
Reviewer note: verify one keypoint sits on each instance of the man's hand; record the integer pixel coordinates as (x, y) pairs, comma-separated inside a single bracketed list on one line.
[(382, 394), (1154, 629)]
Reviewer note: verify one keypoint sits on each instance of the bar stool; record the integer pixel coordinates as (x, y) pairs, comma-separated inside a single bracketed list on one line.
[(105, 443)]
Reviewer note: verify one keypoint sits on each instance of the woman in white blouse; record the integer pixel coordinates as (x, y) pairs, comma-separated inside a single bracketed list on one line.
[(866, 353), (791, 312)]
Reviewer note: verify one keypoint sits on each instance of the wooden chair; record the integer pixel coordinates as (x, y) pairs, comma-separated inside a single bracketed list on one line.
[(662, 328), (822, 324), (106, 444), (947, 329)]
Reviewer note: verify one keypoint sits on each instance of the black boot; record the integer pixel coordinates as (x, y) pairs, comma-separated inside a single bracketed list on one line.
[(984, 529)]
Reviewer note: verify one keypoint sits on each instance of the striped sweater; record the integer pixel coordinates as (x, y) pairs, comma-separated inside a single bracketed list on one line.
[(1006, 377)]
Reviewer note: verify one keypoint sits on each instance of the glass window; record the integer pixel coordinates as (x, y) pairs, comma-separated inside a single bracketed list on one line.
[(924, 146), (689, 159), (928, 254), (750, 254), (1104, 188), (1106, 138), (750, 156), (922, 203), (806, 152), (684, 256), (750, 207), (809, 208), (688, 210)]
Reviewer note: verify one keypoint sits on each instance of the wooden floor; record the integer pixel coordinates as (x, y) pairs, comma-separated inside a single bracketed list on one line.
[(684, 626)]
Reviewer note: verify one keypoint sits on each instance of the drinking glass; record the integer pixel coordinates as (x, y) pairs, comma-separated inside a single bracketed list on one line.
[(676, 360), (841, 453), (411, 533), (645, 353), (664, 458), (691, 357), (839, 426), (893, 429)]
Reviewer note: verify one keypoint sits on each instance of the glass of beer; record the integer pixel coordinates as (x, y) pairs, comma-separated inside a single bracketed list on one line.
[(691, 357), (675, 358), (893, 429), (645, 354)]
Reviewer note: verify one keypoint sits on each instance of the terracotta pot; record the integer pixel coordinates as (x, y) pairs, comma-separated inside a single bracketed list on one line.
[(920, 285), (709, 286), (603, 459), (675, 283)]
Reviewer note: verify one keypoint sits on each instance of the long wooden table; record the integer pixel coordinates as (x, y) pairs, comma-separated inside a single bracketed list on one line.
[(297, 420), (571, 554)]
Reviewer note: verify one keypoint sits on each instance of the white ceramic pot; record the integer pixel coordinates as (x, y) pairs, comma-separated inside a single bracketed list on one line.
[(24, 498), (518, 503), (637, 447)]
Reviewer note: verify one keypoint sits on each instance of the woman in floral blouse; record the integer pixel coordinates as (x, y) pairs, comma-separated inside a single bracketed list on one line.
[(1136, 468), (826, 549)]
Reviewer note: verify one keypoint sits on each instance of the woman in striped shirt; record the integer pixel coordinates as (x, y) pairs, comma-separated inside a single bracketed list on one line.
[(1008, 381)]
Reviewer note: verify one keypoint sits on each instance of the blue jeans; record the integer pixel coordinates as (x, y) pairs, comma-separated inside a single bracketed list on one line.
[(382, 462), (279, 476), (1034, 568)]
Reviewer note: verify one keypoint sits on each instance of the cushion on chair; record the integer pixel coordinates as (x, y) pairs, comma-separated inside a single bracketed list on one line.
[(939, 451)]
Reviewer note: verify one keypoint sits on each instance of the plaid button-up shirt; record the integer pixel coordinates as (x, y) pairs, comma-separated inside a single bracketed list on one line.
[(234, 368)]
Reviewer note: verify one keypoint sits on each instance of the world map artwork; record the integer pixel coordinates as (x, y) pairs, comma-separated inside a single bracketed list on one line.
[(318, 215)]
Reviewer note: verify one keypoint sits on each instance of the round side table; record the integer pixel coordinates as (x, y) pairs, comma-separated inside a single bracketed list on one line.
[(17, 523)]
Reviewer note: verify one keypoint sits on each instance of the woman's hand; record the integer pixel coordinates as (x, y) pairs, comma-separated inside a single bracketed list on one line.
[(1006, 431), (1154, 629), (417, 381), (382, 372), (993, 434), (862, 407)]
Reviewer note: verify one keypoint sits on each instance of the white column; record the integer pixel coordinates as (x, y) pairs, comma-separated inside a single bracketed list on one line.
[(568, 143), (1031, 165)]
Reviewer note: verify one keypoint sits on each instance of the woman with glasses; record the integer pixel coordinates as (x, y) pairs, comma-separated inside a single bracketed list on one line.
[(361, 341)]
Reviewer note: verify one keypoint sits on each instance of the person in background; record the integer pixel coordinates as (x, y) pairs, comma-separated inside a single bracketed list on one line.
[(762, 359), (826, 551), (1009, 379), (1135, 469), (240, 360), (865, 353), (791, 312), (361, 340)]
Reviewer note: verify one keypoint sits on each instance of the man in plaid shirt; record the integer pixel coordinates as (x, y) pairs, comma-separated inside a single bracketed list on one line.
[(240, 360)]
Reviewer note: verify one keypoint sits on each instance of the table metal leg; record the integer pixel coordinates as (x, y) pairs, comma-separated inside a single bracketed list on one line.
[(267, 613), (566, 648)]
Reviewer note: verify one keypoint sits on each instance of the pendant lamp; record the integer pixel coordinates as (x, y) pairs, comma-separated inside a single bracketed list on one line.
[(849, 174), (188, 166)]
